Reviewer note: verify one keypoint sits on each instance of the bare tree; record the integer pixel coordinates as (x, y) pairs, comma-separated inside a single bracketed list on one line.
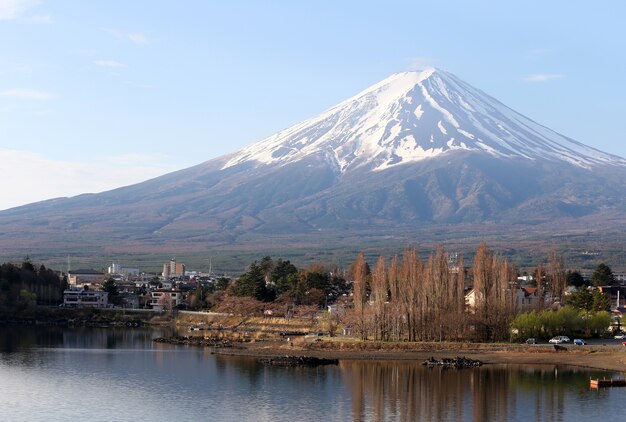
[(495, 288), (556, 276), (360, 271), (541, 287), (379, 300)]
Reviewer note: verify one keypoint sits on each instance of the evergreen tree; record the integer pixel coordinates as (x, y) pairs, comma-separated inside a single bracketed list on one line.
[(581, 299), (252, 284), (600, 302), (574, 278), (602, 276), (284, 276), (110, 287)]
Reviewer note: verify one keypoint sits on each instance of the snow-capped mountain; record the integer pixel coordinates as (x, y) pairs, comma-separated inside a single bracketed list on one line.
[(418, 155), (413, 116)]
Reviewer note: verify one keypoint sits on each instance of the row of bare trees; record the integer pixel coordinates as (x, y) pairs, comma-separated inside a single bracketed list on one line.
[(410, 299)]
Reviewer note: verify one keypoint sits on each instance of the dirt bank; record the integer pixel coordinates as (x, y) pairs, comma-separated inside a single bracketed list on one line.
[(607, 357)]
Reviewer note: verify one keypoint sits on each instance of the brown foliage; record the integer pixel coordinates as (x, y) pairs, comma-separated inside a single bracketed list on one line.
[(425, 301), (241, 305)]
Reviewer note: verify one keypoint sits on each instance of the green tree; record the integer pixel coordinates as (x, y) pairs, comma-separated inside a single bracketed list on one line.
[(267, 265), (284, 276), (527, 324), (600, 302), (43, 286), (602, 276), (27, 298), (222, 283), (252, 284), (28, 265), (581, 299), (600, 322), (574, 278), (110, 287)]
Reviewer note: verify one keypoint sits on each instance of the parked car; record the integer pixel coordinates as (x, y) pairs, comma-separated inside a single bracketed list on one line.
[(559, 340), (620, 336), (579, 342), (531, 340)]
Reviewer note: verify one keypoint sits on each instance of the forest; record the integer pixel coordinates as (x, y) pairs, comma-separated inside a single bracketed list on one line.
[(23, 285)]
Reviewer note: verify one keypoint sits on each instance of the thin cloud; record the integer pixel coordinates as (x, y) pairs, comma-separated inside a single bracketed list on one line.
[(542, 77), (138, 38), (27, 94), (13, 9), (421, 63), (109, 63), (37, 178), (135, 37)]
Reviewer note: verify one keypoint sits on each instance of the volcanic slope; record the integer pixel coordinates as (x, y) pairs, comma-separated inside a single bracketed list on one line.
[(416, 151)]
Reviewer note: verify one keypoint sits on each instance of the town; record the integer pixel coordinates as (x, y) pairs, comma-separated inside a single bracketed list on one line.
[(277, 288)]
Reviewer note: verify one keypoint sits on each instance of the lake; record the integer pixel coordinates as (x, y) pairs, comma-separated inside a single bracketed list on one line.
[(59, 374)]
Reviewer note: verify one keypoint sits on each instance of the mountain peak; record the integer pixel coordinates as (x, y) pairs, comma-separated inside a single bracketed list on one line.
[(412, 116)]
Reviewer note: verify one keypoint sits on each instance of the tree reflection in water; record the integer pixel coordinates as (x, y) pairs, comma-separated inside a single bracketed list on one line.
[(409, 391)]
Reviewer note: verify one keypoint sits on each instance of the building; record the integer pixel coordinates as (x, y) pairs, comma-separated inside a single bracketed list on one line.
[(129, 301), (80, 278), (116, 268), (79, 298), (173, 269), (527, 298), (164, 299), (616, 294)]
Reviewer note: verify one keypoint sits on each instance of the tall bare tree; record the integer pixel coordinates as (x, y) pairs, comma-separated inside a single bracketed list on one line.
[(378, 300), (556, 276), (360, 271)]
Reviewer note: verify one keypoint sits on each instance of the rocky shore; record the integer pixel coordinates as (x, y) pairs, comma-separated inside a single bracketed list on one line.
[(298, 361), (457, 362), (606, 357), (610, 358), (212, 341)]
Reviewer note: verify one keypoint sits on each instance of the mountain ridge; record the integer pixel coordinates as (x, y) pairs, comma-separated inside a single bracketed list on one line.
[(415, 151), (353, 128)]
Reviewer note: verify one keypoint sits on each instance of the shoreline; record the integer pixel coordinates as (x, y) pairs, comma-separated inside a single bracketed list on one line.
[(608, 358)]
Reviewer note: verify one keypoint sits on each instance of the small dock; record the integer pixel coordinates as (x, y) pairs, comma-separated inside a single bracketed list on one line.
[(602, 383)]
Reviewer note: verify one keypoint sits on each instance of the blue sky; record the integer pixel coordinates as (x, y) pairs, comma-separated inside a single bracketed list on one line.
[(96, 95)]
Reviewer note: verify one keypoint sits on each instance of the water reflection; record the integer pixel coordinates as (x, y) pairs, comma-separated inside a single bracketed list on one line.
[(13, 339), (409, 391), (19, 338), (115, 370)]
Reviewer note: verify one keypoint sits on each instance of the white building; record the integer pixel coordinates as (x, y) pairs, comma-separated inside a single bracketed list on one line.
[(164, 299), (78, 298), (116, 268), (80, 278)]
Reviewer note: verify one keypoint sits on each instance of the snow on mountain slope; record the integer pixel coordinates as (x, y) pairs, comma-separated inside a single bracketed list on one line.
[(413, 116)]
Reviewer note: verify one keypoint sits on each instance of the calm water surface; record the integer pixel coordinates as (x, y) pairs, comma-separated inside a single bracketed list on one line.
[(55, 374)]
